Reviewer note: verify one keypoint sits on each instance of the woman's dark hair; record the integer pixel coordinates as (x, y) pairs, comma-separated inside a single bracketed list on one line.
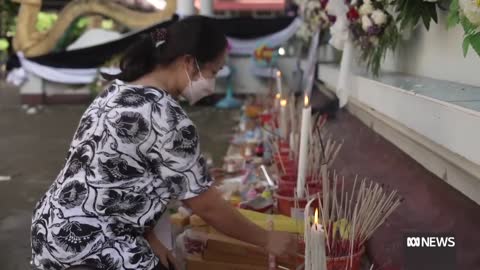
[(197, 36)]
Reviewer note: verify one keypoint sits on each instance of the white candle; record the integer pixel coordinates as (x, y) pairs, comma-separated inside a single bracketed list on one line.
[(248, 151), (303, 154), (230, 167), (279, 82), (315, 257), (291, 143), (276, 102), (283, 119)]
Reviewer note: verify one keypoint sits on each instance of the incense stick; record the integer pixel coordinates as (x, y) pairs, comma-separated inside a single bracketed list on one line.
[(272, 264)]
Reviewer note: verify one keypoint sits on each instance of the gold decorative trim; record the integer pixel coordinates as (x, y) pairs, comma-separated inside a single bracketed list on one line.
[(33, 43)]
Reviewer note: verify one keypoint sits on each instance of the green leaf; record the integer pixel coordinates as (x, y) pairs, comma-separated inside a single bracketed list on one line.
[(426, 20), (468, 27), (433, 11), (404, 23), (402, 5), (475, 42), (453, 16), (4, 44), (466, 43), (406, 15)]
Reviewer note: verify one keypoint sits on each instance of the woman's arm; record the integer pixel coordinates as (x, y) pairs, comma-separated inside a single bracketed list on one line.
[(159, 249), (217, 212)]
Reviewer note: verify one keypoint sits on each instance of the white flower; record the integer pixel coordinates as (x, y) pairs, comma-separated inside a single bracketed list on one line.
[(337, 8), (471, 9), (366, 9), (379, 17), (329, 8), (313, 4), (366, 22), (367, 2), (304, 33)]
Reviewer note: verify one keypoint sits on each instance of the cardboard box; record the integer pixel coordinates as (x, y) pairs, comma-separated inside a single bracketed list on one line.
[(221, 248)]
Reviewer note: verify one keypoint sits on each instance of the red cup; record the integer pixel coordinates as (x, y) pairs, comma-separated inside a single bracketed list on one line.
[(289, 181), (266, 117), (286, 201), (283, 144), (288, 178), (283, 155)]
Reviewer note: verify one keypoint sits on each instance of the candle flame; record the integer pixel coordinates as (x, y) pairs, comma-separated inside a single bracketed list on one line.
[(277, 96), (306, 101), (315, 219), (283, 102), (279, 74)]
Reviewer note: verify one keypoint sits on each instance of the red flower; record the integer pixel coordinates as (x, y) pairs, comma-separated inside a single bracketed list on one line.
[(352, 14), (323, 4), (332, 19)]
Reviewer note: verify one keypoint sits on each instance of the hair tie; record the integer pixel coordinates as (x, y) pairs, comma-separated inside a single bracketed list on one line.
[(158, 36)]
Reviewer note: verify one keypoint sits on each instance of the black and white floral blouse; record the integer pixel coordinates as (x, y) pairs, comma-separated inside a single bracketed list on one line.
[(135, 150)]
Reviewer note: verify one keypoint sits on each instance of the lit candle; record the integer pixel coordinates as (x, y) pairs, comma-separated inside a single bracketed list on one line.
[(276, 102), (303, 153), (315, 257), (283, 119)]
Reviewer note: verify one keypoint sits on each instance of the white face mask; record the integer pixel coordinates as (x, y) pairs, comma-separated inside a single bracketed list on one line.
[(199, 88)]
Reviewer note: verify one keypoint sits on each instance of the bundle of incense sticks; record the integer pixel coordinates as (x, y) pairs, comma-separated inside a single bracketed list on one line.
[(319, 152), (350, 218), (276, 151)]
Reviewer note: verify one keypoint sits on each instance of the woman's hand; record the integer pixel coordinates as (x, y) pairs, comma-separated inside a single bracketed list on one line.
[(281, 243), (217, 212), (160, 250)]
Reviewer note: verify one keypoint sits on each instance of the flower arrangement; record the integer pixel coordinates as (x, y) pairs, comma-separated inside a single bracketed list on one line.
[(467, 13), (315, 16), (372, 29)]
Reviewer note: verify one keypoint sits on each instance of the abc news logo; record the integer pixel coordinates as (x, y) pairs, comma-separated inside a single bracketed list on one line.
[(430, 251), (431, 242)]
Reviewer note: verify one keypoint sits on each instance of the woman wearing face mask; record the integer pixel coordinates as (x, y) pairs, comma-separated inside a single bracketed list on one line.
[(134, 151)]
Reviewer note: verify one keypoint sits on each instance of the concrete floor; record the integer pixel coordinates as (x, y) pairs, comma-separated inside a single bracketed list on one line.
[(32, 151)]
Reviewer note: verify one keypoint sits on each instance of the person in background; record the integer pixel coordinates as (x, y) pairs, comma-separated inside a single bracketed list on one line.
[(134, 151)]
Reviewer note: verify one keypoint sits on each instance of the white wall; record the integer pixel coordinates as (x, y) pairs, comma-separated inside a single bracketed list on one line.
[(440, 136), (437, 54)]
